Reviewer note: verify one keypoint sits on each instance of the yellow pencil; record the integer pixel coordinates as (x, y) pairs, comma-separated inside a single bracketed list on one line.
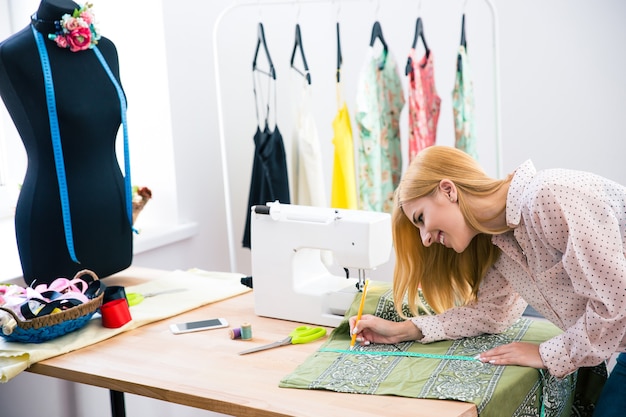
[(358, 316)]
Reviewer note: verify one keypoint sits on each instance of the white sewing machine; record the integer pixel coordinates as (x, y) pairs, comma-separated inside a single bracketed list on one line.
[(292, 251)]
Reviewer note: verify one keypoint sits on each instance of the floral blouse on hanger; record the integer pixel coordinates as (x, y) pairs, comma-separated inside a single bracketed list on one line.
[(380, 100)]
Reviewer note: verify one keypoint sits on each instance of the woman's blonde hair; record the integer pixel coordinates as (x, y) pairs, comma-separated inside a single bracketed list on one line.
[(446, 278)]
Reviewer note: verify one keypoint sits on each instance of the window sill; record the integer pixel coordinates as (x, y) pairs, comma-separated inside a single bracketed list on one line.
[(155, 237), (149, 238)]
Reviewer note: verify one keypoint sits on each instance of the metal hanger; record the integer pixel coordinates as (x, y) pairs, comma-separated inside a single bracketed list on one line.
[(463, 38), (377, 33), (419, 33), (459, 63), (298, 45), (261, 42), (339, 55)]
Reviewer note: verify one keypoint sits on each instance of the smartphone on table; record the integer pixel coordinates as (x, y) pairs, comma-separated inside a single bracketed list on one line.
[(196, 326)]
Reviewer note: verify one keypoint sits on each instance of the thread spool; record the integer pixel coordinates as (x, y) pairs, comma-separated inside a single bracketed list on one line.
[(246, 331), (9, 326), (235, 333)]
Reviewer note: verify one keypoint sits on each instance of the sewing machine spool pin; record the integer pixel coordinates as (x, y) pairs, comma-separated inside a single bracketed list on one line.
[(361, 282)]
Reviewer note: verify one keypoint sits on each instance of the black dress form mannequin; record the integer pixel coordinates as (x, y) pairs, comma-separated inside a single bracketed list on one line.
[(89, 118)]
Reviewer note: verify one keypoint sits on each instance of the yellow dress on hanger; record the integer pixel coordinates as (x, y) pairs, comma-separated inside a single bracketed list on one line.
[(343, 188)]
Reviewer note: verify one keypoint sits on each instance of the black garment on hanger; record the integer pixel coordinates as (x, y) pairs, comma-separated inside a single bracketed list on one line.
[(419, 33), (298, 45), (270, 181)]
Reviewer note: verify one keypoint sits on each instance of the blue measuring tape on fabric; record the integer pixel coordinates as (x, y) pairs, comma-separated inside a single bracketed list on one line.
[(401, 353), (56, 140)]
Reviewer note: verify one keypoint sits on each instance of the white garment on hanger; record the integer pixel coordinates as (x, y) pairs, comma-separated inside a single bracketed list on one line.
[(308, 177)]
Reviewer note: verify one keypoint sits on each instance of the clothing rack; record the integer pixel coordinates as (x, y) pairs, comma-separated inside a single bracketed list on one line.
[(220, 110)]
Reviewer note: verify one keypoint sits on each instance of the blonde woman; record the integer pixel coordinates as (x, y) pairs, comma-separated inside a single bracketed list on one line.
[(481, 248)]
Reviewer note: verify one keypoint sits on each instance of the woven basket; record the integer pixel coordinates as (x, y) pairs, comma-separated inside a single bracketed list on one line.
[(48, 327)]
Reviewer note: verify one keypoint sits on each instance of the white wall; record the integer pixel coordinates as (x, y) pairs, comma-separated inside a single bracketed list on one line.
[(561, 87), (562, 105)]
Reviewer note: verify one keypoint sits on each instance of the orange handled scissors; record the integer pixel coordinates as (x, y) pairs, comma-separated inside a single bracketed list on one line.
[(302, 334)]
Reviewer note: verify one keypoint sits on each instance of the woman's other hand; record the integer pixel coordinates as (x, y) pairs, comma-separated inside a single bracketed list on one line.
[(516, 353)]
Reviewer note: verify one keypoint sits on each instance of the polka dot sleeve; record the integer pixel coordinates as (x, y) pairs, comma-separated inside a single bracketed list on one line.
[(498, 306)]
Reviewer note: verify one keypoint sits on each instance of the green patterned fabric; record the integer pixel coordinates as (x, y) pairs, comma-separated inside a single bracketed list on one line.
[(496, 390)]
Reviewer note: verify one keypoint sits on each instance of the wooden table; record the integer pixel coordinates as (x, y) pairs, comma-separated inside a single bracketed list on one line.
[(204, 370)]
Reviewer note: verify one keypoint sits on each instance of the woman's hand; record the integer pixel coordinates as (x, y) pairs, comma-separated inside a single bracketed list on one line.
[(372, 329), (516, 353)]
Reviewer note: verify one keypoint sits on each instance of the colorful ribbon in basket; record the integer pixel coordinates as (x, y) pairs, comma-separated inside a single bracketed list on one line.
[(43, 299), (42, 313)]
